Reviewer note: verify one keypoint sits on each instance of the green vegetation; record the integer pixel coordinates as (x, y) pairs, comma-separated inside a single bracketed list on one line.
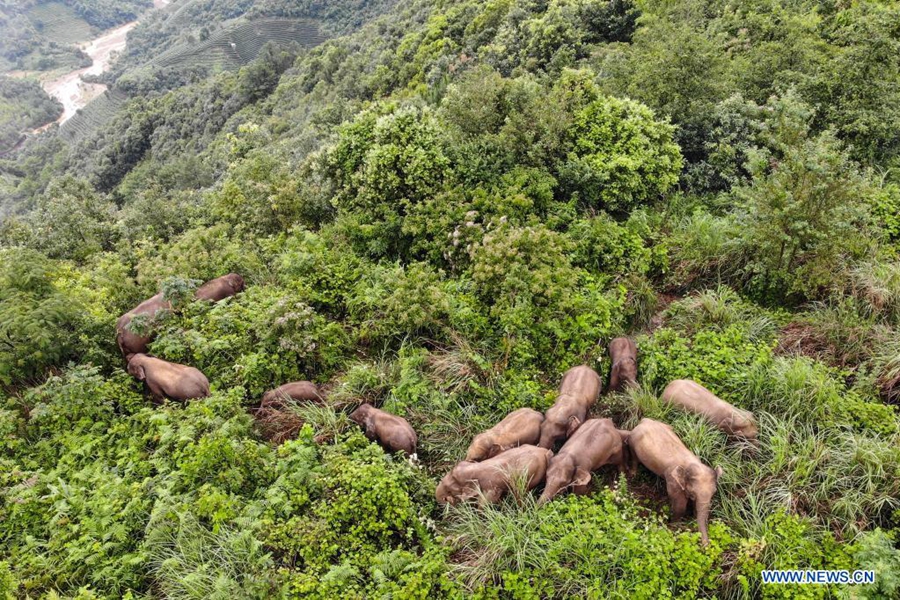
[(41, 35), (23, 106), (439, 211), (59, 22)]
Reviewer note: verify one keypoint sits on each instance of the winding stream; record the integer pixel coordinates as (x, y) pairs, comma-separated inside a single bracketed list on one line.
[(70, 89)]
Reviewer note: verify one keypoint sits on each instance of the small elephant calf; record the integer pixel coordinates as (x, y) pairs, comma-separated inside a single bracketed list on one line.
[(623, 373), (596, 443), (695, 398), (393, 433), (494, 476), (220, 288), (522, 426), (578, 391), (168, 380), (301, 391)]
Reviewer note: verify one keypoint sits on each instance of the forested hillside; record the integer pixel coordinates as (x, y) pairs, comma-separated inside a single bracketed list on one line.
[(438, 211)]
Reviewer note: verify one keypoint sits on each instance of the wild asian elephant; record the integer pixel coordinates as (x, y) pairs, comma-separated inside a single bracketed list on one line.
[(522, 426), (578, 391), (393, 433), (494, 476), (302, 391), (623, 373), (595, 444), (168, 380), (130, 342), (695, 398), (220, 288), (660, 449)]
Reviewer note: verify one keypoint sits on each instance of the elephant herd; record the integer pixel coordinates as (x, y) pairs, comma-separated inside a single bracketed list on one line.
[(166, 379), (520, 448)]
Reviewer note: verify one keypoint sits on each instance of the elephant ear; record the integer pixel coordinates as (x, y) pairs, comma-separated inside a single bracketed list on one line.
[(494, 450), (680, 476), (582, 477), (574, 424), (140, 373)]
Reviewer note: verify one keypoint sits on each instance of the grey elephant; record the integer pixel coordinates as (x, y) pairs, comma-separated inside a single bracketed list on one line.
[(595, 444), (578, 391), (494, 476), (522, 426), (660, 449), (168, 380), (220, 288), (130, 342), (394, 433), (623, 354), (695, 398)]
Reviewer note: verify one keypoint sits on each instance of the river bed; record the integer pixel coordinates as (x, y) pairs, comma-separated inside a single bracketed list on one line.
[(70, 89)]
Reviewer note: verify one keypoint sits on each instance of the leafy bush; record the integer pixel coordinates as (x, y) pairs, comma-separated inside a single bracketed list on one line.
[(622, 157), (718, 360), (257, 340), (38, 320)]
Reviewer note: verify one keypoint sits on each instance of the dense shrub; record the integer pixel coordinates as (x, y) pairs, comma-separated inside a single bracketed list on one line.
[(622, 157), (38, 320)]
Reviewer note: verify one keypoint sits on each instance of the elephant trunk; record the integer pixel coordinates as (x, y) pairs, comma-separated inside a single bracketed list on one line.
[(550, 492), (702, 508)]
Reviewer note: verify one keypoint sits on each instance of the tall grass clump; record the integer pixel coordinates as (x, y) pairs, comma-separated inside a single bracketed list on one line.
[(602, 545), (190, 562)]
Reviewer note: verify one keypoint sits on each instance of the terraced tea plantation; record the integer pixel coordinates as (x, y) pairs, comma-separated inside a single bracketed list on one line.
[(95, 114), (59, 23), (235, 46)]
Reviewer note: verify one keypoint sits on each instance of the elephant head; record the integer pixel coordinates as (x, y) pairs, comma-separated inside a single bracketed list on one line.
[(361, 414), (744, 425), (482, 448), (552, 431), (698, 483), (136, 367), (562, 473), (236, 282)]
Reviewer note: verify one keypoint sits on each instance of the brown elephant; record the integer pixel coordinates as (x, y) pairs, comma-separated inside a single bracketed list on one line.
[(659, 449), (130, 342), (522, 426), (623, 354), (168, 380), (695, 398), (301, 391), (220, 288), (595, 444), (494, 476), (578, 391), (392, 432)]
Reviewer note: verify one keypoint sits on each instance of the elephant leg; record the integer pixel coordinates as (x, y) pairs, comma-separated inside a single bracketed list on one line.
[(156, 393), (622, 461)]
